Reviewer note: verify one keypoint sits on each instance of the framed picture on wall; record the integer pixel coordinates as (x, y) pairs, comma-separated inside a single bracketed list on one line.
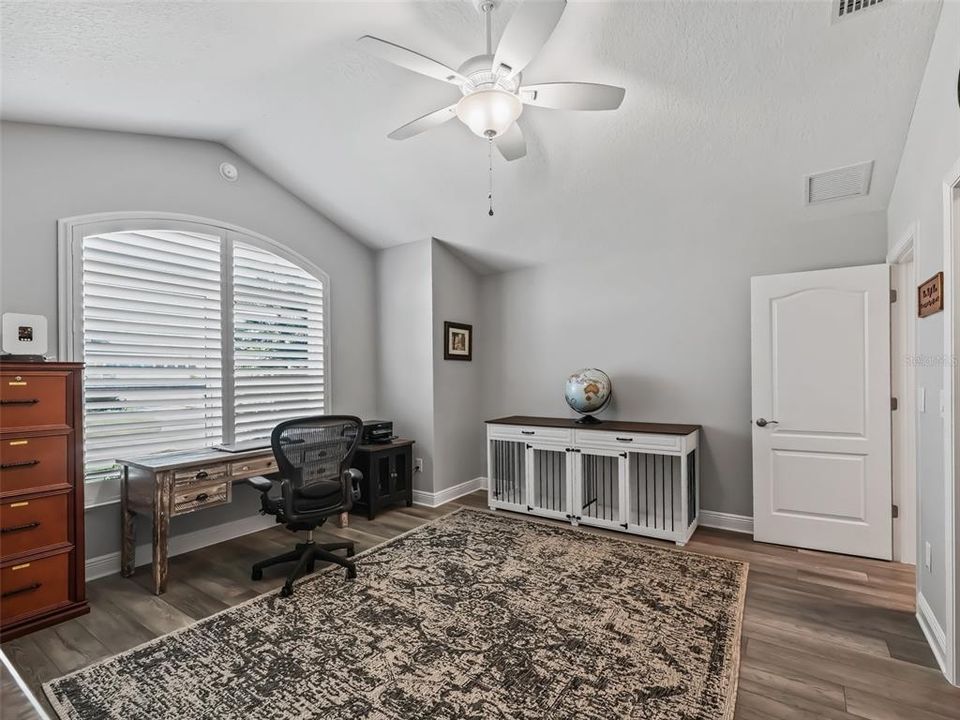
[(457, 341)]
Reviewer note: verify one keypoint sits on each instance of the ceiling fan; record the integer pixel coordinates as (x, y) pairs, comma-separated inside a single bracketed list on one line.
[(493, 95)]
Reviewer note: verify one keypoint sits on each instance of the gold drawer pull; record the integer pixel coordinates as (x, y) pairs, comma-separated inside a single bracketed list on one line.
[(19, 442), (19, 504), (245, 467), (20, 567)]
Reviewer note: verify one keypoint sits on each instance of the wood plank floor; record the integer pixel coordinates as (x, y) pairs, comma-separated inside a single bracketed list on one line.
[(825, 636)]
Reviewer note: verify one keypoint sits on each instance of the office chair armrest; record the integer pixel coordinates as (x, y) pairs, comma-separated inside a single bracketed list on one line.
[(260, 483), (353, 475)]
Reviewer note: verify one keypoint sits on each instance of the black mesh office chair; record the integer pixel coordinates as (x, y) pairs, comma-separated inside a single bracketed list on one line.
[(316, 481)]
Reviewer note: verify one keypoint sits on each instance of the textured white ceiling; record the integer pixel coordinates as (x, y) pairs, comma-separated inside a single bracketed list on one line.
[(728, 106)]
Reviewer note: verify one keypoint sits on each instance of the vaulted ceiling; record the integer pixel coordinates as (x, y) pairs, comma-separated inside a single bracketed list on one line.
[(728, 106)]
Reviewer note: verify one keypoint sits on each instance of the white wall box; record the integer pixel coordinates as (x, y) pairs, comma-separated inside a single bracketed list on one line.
[(641, 478)]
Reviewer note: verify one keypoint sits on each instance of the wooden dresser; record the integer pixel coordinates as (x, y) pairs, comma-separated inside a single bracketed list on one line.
[(41, 496)]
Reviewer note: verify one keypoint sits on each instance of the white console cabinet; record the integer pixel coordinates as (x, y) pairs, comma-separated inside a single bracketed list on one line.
[(640, 478)]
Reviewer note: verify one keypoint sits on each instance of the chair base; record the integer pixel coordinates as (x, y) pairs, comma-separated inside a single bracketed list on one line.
[(306, 556)]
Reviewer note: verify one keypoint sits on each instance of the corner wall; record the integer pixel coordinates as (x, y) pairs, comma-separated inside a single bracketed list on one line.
[(52, 172), (932, 149)]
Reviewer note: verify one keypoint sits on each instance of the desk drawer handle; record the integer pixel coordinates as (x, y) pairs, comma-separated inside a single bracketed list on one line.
[(33, 401), (25, 463), (528, 432), (202, 497), (201, 475), (620, 439), (19, 591), (15, 528)]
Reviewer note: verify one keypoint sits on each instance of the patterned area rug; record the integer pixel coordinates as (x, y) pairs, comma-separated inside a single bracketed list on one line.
[(476, 615)]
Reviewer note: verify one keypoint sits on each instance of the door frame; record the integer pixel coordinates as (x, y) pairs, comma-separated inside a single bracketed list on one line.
[(903, 335), (951, 417)]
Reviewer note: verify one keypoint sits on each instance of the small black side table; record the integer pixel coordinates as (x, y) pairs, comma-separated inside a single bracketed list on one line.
[(387, 476)]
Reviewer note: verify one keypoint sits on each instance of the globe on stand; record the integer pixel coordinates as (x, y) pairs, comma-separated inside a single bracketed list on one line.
[(588, 391)]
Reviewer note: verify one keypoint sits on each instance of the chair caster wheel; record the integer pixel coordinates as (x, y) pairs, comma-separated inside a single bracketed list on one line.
[(350, 552), (286, 591), (256, 575), (351, 573)]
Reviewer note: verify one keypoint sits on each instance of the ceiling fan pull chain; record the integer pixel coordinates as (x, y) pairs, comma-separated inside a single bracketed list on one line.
[(490, 167)]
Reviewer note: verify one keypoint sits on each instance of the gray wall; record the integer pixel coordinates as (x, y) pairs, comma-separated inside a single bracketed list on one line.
[(458, 430), (405, 349), (668, 320), (931, 150), (51, 172)]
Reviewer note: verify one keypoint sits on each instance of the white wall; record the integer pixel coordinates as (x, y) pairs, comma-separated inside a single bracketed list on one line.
[(405, 349), (668, 320), (52, 172), (459, 431), (931, 150)]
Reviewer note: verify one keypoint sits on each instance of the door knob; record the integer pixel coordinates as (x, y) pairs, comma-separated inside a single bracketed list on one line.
[(763, 422)]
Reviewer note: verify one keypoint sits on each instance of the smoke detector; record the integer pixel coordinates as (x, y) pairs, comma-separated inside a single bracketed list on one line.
[(229, 172), (839, 184)]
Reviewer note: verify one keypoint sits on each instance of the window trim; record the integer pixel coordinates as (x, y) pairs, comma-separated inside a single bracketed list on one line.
[(70, 234)]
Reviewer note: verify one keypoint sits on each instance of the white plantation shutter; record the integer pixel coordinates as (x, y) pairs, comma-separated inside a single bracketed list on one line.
[(191, 340), (151, 344), (278, 342)]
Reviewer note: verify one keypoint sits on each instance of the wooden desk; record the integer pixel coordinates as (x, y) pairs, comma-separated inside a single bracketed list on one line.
[(167, 485)]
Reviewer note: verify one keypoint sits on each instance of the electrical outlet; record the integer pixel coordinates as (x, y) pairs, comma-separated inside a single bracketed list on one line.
[(927, 555), (418, 465)]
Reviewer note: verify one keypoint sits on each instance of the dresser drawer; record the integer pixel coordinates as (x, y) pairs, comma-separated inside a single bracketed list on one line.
[(625, 440), (523, 432), (27, 525), (200, 474), (188, 497), (31, 588), (32, 400), (259, 466), (33, 463)]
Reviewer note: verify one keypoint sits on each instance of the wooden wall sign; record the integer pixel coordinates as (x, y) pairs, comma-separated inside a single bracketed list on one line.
[(930, 296)]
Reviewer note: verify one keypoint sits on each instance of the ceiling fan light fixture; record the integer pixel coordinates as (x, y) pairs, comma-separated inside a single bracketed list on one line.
[(489, 113)]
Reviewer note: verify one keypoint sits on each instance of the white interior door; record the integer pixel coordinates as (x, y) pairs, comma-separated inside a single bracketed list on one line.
[(821, 410)]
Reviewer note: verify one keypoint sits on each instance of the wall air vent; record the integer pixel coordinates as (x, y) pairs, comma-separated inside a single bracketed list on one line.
[(839, 184), (843, 9)]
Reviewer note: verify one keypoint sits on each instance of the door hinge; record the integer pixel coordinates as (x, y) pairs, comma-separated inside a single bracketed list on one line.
[(896, 511), (894, 404), (893, 296)]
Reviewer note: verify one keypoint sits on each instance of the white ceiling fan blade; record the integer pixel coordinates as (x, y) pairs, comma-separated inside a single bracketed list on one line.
[(527, 31), (422, 124), (573, 96), (511, 144), (410, 60)]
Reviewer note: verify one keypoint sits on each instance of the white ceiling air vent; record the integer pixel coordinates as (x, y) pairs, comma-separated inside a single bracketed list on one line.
[(839, 184), (843, 9)]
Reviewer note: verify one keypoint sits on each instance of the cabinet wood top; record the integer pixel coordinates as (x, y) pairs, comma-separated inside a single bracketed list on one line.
[(612, 425)]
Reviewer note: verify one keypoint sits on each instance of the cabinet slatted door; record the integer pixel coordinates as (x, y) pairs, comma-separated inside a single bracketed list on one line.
[(655, 492), (508, 463), (549, 482), (598, 497)]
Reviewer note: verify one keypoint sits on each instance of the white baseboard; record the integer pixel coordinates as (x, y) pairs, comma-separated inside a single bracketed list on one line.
[(109, 564), (727, 521), (936, 637), (428, 499)]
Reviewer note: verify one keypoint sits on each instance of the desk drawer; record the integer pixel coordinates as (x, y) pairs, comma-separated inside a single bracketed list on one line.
[(522, 432), (188, 497), (607, 439), (27, 525), (32, 400), (33, 463), (31, 588), (257, 466), (204, 473)]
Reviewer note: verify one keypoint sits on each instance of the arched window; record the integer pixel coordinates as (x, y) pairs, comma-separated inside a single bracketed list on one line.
[(193, 334)]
